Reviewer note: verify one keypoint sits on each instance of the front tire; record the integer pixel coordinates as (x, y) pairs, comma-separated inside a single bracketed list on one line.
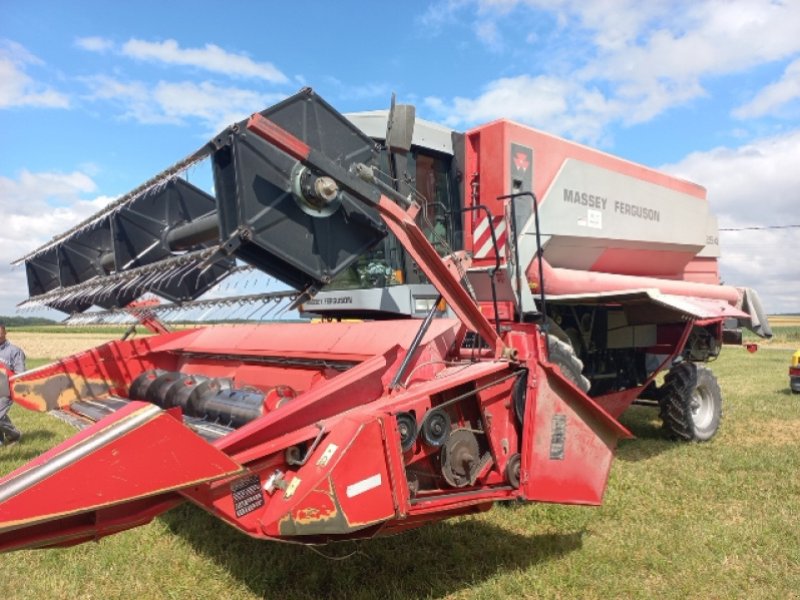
[(691, 403), (563, 356)]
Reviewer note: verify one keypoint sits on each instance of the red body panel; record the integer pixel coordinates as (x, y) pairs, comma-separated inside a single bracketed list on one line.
[(567, 282), (489, 154), (570, 463), (138, 453)]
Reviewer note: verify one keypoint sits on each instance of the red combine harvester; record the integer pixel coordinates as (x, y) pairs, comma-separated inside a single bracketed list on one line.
[(534, 339)]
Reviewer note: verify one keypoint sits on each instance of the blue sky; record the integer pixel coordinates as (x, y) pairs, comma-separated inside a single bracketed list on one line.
[(96, 97)]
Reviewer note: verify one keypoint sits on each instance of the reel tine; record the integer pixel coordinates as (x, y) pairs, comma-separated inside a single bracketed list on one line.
[(155, 183)]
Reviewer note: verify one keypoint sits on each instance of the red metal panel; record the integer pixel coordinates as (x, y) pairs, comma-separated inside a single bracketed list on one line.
[(91, 526), (137, 452), (487, 162), (488, 155), (653, 263), (339, 341), (568, 443), (617, 403), (559, 281), (106, 369), (361, 479), (500, 423), (702, 270), (361, 384), (549, 155), (343, 487)]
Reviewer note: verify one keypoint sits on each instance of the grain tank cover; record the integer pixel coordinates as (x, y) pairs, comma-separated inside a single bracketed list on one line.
[(597, 217)]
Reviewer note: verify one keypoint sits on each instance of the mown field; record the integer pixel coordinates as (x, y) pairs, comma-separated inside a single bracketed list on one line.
[(714, 520)]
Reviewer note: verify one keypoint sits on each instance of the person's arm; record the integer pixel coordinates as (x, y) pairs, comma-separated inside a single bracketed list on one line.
[(19, 361)]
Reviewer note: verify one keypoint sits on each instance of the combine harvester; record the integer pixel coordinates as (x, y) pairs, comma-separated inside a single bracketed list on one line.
[(532, 342)]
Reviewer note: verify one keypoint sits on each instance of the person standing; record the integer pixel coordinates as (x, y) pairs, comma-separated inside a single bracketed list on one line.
[(13, 358)]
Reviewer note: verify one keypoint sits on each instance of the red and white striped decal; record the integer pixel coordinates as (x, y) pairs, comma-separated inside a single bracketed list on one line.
[(482, 237)]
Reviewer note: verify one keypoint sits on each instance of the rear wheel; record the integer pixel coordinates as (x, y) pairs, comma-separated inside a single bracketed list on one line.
[(691, 403)]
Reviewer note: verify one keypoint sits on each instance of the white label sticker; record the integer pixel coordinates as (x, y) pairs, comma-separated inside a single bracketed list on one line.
[(364, 485), (326, 456), (594, 219), (291, 488)]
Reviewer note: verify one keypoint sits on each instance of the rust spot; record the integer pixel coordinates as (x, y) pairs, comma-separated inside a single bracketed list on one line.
[(57, 391), (321, 514), (310, 514)]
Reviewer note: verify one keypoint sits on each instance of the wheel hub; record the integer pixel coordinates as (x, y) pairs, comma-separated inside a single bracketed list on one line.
[(459, 456), (702, 406)]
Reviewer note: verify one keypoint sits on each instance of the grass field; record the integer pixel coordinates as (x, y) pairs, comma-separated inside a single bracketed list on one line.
[(786, 329), (714, 520)]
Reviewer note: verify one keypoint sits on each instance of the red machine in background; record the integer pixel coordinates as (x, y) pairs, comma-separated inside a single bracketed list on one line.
[(313, 432)]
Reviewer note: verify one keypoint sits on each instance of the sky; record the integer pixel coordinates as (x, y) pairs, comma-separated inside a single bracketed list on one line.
[(97, 97)]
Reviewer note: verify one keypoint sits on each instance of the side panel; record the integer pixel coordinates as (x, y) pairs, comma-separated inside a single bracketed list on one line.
[(137, 453), (568, 443)]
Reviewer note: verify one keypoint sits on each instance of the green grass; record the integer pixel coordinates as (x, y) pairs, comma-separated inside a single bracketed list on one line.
[(785, 329), (714, 520), (781, 335)]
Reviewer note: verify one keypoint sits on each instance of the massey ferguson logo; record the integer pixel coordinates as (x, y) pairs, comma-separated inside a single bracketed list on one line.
[(521, 161), (520, 176)]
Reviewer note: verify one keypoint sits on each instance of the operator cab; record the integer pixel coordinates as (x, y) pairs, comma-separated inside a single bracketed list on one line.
[(385, 283)]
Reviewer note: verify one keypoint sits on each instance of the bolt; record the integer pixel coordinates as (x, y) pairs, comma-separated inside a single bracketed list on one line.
[(325, 188)]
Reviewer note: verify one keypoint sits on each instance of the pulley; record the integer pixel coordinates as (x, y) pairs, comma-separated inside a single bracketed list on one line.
[(435, 427), (512, 470), (407, 426), (459, 456)]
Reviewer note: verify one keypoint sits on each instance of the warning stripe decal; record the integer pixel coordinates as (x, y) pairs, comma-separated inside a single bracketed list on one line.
[(482, 237)]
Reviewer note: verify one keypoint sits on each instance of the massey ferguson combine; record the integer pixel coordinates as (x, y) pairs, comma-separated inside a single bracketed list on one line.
[(554, 283)]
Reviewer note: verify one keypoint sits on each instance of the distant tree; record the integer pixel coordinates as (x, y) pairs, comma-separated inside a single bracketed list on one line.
[(26, 321)]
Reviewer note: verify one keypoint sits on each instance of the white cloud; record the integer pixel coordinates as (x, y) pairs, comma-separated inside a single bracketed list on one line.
[(748, 185), (209, 103), (668, 66), (489, 34), (210, 58), (36, 207), (94, 44), (762, 260), (179, 102), (553, 103), (17, 88), (755, 185), (774, 96), (441, 13), (133, 97), (360, 92), (625, 61)]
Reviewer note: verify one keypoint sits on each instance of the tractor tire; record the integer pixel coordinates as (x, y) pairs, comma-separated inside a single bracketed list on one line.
[(690, 403), (563, 356)]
